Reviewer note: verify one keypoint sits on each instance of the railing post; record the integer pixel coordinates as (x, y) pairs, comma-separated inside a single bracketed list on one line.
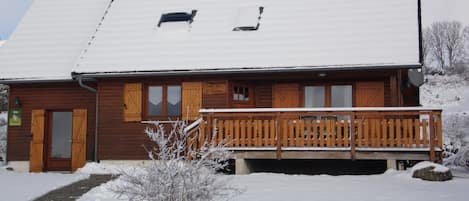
[(352, 136), (278, 136), (208, 128), (432, 137)]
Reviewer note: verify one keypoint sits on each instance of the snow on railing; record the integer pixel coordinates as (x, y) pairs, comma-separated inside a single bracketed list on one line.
[(322, 109)]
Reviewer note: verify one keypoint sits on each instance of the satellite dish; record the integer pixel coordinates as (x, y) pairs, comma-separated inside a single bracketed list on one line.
[(415, 77)]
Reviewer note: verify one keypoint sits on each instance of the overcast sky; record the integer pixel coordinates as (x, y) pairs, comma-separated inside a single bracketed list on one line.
[(11, 12)]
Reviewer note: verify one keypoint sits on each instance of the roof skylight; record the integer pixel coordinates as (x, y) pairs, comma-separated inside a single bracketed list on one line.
[(248, 19), (177, 17)]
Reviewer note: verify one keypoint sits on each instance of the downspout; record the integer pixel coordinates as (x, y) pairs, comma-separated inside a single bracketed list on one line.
[(80, 82)]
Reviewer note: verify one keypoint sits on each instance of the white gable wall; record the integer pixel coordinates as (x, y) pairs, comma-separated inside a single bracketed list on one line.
[(49, 39), (296, 33)]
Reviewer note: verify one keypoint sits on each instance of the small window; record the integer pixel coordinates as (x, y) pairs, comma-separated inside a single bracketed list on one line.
[(164, 101), (248, 19), (243, 94), (177, 17)]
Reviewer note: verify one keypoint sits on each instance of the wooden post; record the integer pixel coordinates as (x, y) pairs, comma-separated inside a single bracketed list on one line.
[(432, 137), (352, 136)]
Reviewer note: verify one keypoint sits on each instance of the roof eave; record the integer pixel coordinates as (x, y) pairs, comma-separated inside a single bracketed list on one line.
[(239, 71)]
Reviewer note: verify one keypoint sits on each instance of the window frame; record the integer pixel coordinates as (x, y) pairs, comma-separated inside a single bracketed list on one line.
[(328, 92), (164, 108)]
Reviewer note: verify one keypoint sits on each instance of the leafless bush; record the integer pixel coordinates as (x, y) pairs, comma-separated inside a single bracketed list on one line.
[(179, 170)]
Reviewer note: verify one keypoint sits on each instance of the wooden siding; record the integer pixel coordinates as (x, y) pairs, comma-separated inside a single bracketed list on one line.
[(263, 93), (47, 97), (117, 139)]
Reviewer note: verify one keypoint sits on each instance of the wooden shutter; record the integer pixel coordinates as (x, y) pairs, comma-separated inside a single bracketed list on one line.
[(79, 138), (191, 100), (369, 94), (133, 102), (286, 95), (37, 143)]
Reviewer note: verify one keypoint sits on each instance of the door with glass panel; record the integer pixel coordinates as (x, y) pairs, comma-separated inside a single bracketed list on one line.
[(59, 140)]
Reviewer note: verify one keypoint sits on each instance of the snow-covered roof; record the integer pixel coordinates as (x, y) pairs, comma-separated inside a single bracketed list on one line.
[(50, 38), (292, 34)]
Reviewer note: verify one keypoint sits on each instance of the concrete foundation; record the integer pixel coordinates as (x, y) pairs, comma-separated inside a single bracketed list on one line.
[(242, 167), (19, 166)]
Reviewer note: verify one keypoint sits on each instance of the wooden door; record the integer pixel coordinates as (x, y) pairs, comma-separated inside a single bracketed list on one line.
[(37, 143), (286, 95), (369, 94)]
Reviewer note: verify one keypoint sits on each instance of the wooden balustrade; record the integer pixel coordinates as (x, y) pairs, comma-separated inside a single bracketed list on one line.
[(374, 128)]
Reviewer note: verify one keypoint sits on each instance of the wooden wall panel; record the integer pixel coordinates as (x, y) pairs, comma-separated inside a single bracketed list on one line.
[(118, 140), (48, 97), (369, 94), (215, 94), (263, 93), (286, 95)]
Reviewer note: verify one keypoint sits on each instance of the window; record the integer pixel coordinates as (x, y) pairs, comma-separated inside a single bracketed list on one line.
[(328, 96), (164, 101), (341, 96), (248, 19), (315, 96), (243, 94)]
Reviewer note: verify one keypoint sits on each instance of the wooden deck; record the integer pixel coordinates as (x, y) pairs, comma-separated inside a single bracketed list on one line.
[(363, 133)]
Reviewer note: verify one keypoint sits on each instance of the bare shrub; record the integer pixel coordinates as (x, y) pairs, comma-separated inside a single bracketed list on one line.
[(179, 170)]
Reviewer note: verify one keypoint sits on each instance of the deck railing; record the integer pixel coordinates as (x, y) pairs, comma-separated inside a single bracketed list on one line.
[(354, 129)]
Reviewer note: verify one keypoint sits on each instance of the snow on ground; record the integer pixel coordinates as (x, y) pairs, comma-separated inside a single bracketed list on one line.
[(427, 164), (27, 186), (451, 93), (392, 185)]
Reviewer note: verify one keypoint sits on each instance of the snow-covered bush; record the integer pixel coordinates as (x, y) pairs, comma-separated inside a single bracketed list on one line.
[(179, 170), (456, 132), (3, 136), (460, 159)]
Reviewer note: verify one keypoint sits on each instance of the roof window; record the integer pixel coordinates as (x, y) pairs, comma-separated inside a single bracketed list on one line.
[(177, 17), (248, 19)]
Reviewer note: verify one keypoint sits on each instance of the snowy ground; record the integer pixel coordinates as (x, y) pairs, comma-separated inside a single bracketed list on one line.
[(392, 185), (27, 186), (451, 93)]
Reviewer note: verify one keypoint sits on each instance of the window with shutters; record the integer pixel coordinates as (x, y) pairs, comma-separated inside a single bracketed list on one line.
[(163, 101)]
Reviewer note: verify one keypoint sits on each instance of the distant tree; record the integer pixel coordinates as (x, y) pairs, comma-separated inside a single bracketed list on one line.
[(444, 42)]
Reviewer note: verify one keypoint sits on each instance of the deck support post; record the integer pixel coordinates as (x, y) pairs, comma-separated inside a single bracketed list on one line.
[(432, 138), (241, 166), (391, 164)]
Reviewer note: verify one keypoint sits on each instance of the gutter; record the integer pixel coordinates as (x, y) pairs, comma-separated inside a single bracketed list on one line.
[(80, 82)]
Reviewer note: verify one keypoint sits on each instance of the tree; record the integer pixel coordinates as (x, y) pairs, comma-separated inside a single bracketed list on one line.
[(444, 42), (454, 42), (179, 170), (3, 97)]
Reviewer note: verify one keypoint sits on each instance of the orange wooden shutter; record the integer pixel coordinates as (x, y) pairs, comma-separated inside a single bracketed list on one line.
[(369, 94), (133, 102), (191, 100), (79, 138), (37, 142), (286, 95)]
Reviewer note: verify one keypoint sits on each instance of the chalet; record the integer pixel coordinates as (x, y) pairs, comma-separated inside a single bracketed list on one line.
[(276, 79)]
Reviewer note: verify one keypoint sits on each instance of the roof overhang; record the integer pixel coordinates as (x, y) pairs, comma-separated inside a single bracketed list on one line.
[(244, 71)]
